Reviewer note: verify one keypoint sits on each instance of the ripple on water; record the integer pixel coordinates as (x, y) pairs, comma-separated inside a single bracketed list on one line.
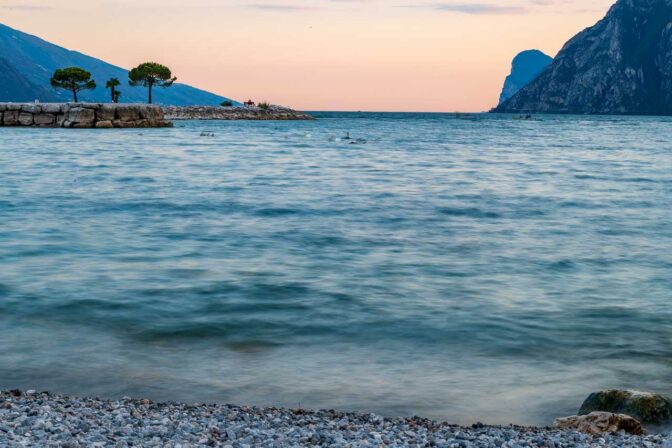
[(451, 268)]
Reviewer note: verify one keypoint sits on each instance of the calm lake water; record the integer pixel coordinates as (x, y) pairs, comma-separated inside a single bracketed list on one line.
[(484, 269)]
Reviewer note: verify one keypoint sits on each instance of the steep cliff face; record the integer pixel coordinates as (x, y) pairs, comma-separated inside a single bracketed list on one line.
[(526, 66), (622, 65)]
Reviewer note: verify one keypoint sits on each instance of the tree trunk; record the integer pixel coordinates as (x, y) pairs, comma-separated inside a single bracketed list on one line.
[(150, 92), (73, 87)]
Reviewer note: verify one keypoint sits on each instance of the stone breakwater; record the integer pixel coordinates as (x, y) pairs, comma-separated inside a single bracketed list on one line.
[(233, 113), (82, 115), (45, 420)]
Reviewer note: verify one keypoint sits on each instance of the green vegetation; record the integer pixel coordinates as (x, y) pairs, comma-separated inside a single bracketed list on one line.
[(112, 84), (227, 104), (264, 106), (150, 75), (73, 79)]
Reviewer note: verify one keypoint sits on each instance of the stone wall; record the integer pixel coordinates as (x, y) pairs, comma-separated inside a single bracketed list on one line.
[(233, 113), (82, 115)]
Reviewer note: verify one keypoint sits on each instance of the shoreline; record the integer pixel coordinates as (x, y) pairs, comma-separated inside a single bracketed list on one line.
[(44, 419)]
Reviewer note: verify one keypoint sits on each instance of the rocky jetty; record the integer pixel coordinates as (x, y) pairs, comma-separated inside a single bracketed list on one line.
[(233, 113), (622, 65), (526, 66), (82, 115), (45, 420)]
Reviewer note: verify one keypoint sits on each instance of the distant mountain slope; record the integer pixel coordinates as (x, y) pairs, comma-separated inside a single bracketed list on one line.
[(36, 60), (622, 65), (526, 66), (17, 88)]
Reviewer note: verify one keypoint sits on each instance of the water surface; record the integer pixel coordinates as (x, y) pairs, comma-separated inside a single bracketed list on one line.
[(465, 269)]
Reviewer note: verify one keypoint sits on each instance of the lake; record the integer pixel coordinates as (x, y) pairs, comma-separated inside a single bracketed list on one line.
[(464, 268)]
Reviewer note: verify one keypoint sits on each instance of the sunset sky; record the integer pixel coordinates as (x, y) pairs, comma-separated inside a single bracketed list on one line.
[(387, 55)]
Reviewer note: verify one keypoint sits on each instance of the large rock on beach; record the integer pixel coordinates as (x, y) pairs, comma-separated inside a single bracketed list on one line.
[(598, 423), (646, 407)]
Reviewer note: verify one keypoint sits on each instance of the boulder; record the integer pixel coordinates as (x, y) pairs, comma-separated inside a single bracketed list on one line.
[(52, 108), (25, 119), (45, 119), (10, 118), (128, 113), (150, 112), (31, 108), (646, 407), (598, 423), (107, 124), (124, 124), (106, 112), (82, 117)]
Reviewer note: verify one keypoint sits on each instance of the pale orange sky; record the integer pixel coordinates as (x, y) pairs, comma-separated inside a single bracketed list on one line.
[(383, 55)]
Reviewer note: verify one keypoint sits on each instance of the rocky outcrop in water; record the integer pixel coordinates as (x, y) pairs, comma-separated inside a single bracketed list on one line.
[(234, 113), (82, 115), (646, 407), (526, 66), (622, 65)]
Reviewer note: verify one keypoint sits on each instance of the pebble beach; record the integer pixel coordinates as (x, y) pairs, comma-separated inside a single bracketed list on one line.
[(41, 419)]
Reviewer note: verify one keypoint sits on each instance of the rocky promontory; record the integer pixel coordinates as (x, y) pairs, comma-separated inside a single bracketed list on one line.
[(622, 65), (82, 115), (526, 66), (234, 113)]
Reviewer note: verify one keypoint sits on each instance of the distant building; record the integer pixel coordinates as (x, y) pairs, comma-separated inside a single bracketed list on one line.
[(249, 103)]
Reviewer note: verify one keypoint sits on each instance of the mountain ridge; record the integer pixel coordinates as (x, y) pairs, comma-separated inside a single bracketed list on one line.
[(525, 67), (621, 65), (35, 59)]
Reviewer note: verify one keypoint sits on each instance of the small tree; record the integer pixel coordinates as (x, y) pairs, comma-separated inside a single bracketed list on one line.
[(227, 103), (112, 84), (73, 79), (151, 74)]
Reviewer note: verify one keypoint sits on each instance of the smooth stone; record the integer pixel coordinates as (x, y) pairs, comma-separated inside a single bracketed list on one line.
[(598, 423)]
